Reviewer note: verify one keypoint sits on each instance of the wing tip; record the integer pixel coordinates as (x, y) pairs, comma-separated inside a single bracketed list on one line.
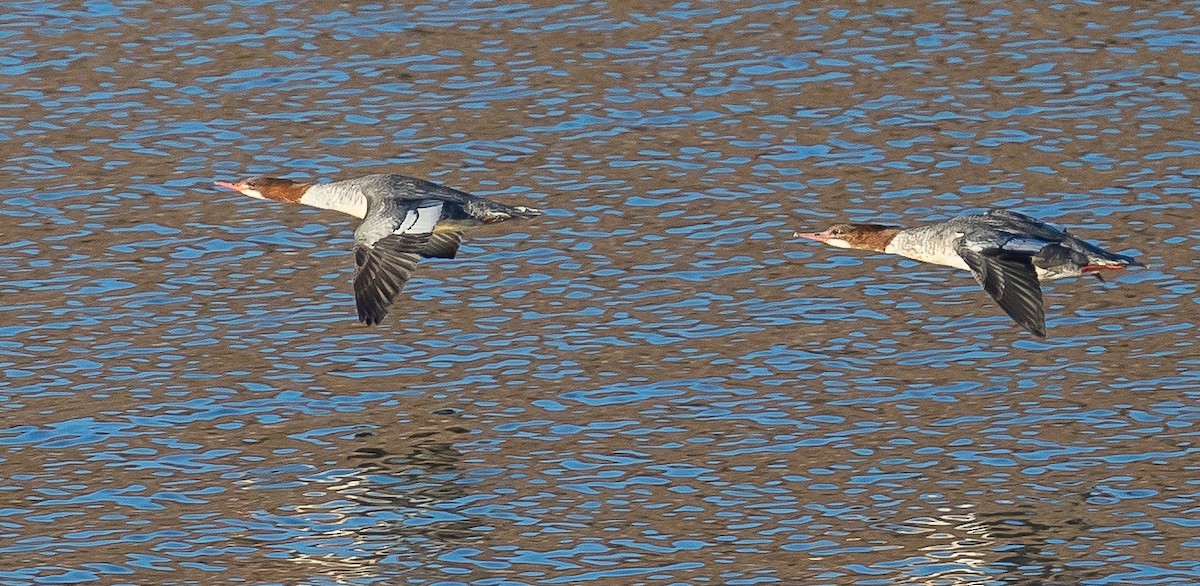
[(1033, 322), (1037, 330), (371, 316)]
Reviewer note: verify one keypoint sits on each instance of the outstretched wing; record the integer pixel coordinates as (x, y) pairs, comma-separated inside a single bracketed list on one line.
[(387, 247), (383, 269), (1012, 281)]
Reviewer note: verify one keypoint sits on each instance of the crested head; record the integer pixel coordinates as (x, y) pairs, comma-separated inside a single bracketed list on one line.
[(861, 236), (284, 190)]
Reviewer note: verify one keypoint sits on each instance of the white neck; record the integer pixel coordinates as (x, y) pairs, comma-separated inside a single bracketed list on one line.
[(928, 244), (348, 200)]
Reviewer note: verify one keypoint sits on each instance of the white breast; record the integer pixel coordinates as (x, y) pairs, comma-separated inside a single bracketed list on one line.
[(337, 198), (937, 249)]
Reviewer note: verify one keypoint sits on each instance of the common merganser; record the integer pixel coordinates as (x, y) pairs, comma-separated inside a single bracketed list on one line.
[(1009, 253), (404, 218)]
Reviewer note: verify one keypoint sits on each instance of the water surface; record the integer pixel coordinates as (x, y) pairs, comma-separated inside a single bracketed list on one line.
[(652, 383)]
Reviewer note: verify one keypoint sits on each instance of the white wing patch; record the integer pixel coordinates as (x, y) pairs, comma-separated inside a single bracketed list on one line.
[(420, 220)]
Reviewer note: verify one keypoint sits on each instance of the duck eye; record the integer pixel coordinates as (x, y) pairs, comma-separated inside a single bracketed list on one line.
[(835, 232)]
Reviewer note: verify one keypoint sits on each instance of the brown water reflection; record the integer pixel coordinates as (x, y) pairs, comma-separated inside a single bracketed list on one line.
[(652, 384)]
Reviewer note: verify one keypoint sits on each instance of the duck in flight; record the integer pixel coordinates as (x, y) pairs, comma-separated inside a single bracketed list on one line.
[(1008, 253), (403, 219)]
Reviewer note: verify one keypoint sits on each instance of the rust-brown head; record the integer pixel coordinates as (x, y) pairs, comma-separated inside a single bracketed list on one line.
[(284, 190), (862, 236)]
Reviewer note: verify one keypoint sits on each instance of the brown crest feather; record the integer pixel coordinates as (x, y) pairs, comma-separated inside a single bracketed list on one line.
[(866, 236)]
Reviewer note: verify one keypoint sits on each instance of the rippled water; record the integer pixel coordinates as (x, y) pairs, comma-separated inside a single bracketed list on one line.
[(653, 383)]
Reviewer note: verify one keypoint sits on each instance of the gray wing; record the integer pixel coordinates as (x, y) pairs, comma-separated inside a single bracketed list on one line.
[(387, 247), (402, 189), (1022, 226), (1019, 223), (1011, 280)]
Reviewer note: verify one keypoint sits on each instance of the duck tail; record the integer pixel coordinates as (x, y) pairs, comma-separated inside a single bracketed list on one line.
[(525, 212), (490, 212)]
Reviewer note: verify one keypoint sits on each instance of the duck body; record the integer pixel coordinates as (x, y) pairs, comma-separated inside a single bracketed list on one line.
[(1009, 254), (403, 219)]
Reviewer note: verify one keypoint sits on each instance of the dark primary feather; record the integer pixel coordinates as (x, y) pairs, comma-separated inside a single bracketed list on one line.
[(442, 245), (383, 269), (1012, 281)]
